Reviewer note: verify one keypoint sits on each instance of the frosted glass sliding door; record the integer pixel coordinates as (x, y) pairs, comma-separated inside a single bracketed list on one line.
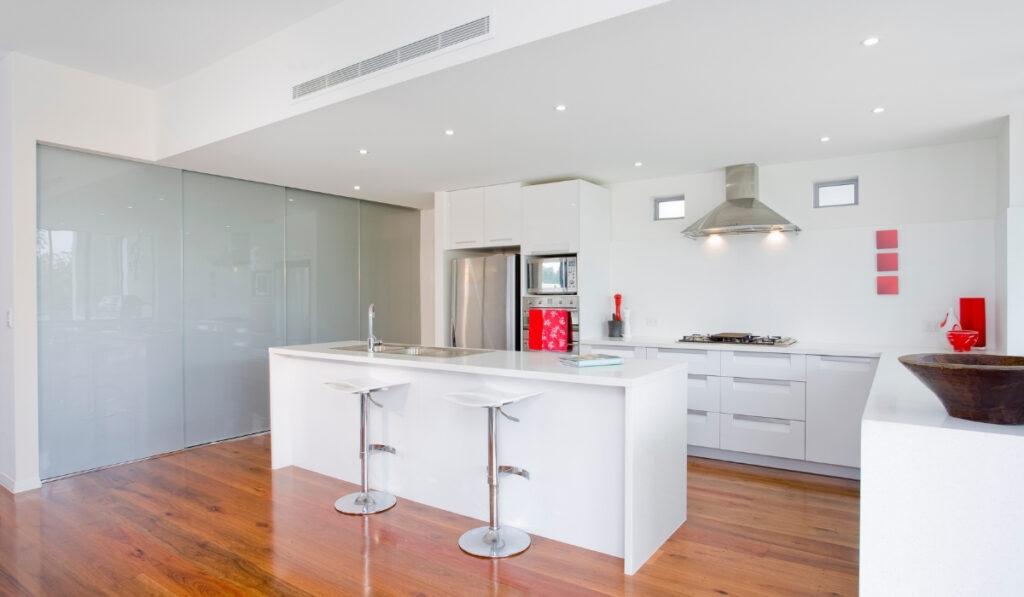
[(389, 271), (323, 267), (234, 303), (109, 304)]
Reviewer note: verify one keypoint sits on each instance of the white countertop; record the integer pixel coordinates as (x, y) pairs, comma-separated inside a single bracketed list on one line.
[(838, 350), (899, 397), (522, 365)]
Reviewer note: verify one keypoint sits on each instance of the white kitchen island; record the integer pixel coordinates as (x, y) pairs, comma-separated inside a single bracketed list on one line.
[(940, 496), (605, 446)]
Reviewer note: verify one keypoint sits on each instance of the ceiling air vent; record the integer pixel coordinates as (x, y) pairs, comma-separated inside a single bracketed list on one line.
[(427, 45)]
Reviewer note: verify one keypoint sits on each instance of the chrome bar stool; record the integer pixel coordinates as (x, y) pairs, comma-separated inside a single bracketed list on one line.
[(493, 540), (365, 501)]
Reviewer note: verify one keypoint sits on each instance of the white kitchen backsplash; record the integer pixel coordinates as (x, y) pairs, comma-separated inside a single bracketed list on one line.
[(818, 285)]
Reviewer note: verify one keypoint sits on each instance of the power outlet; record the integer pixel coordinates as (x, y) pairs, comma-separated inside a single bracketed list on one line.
[(10, 318), (651, 321), (929, 326)]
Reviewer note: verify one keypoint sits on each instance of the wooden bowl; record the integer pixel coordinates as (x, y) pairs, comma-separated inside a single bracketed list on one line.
[(978, 387)]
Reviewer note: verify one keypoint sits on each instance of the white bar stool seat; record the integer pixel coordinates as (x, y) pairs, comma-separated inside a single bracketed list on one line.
[(493, 540), (365, 501)]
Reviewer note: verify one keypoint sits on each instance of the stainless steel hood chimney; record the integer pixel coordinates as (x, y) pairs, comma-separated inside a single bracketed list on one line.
[(742, 212)]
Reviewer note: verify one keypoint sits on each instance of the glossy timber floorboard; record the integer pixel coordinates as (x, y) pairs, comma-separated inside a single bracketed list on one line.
[(215, 520)]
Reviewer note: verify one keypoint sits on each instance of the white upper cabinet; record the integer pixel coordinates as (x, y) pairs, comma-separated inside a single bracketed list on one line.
[(503, 214), (466, 218), (551, 217), (485, 216)]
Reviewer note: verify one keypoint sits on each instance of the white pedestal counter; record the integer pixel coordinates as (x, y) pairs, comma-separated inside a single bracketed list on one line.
[(941, 497), (605, 446)]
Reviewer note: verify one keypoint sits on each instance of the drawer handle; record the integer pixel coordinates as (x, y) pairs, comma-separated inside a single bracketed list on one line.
[(699, 413), (464, 242), (865, 360), (763, 385), (760, 356), (763, 423), (698, 377), (493, 240)]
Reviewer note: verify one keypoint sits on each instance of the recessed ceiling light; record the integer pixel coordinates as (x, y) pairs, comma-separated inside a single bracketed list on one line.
[(878, 110), (560, 107), (449, 132), (826, 139), (130, 207), (870, 41), (227, 225), (291, 200), (363, 152), (357, 187), (638, 164)]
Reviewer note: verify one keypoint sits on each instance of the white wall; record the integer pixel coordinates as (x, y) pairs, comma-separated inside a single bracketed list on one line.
[(252, 88), (1013, 200), (818, 285), (62, 106), (6, 281)]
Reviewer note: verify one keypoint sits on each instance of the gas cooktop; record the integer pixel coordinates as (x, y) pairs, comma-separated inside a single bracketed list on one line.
[(737, 338)]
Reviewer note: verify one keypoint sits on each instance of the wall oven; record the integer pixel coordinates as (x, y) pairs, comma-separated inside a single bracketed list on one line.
[(570, 304), (555, 274)]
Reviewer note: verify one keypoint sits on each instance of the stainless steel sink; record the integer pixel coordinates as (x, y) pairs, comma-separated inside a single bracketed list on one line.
[(440, 352)]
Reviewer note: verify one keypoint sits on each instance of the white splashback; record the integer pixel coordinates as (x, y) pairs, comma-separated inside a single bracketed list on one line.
[(819, 284)]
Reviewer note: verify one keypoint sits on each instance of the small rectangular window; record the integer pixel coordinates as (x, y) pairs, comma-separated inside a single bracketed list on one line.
[(836, 193), (669, 208)]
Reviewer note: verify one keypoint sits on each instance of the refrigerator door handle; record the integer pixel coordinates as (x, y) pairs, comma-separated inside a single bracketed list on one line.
[(451, 311)]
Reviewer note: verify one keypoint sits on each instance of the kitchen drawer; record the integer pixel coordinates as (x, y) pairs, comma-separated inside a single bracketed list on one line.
[(702, 428), (703, 392), (762, 435), (763, 397), (634, 352), (764, 365), (702, 362)]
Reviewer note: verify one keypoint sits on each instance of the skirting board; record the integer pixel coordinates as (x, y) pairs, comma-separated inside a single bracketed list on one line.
[(802, 466), (17, 487)]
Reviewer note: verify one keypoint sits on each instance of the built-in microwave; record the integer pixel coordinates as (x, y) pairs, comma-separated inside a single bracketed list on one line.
[(551, 274)]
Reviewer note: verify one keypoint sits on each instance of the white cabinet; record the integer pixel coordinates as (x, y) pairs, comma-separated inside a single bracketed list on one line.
[(763, 365), (485, 216), (552, 216), (781, 399), (503, 214), (837, 390), (763, 435), (465, 218), (701, 362), (777, 404), (704, 392), (702, 428)]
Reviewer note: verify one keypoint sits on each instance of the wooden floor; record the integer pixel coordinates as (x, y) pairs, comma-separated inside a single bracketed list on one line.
[(216, 520)]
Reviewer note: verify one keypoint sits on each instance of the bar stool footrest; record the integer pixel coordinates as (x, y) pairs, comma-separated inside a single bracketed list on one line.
[(513, 470), (485, 542)]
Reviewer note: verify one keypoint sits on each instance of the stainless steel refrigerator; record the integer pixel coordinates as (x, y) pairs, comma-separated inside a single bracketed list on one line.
[(484, 309)]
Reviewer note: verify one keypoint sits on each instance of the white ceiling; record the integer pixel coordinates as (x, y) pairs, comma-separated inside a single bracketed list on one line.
[(147, 42), (684, 87)]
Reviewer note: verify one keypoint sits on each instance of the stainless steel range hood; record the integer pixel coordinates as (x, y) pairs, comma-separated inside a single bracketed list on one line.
[(741, 213)]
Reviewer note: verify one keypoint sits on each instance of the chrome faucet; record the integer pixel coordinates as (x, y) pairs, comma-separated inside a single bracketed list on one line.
[(372, 342)]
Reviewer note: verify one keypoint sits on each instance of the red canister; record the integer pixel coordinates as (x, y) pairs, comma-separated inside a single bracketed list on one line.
[(972, 317)]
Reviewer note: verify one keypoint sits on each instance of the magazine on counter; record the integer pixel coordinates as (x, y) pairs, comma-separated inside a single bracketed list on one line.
[(591, 360)]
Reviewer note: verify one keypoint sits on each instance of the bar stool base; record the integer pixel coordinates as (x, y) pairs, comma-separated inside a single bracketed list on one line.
[(485, 543), (360, 503)]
